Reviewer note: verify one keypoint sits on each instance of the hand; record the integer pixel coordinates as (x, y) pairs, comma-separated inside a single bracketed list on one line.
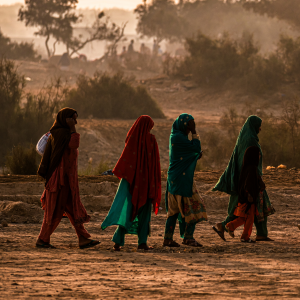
[(192, 126), (200, 155), (71, 123)]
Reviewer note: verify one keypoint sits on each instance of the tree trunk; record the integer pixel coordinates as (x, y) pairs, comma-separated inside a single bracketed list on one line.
[(47, 46)]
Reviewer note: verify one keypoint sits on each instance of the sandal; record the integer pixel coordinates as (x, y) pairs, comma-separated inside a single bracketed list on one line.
[(220, 233), (248, 241), (45, 245), (231, 233), (170, 243), (92, 243), (117, 247), (191, 242), (266, 239), (144, 247)]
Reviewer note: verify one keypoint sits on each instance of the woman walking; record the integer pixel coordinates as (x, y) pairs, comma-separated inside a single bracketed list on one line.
[(251, 189), (139, 188), (182, 199), (229, 181), (61, 194)]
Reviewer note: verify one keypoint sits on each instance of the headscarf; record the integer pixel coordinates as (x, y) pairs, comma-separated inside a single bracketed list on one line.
[(139, 164), (250, 181), (57, 143), (183, 158), (229, 180)]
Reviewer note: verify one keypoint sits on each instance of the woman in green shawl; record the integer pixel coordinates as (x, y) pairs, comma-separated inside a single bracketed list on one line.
[(182, 199), (228, 182)]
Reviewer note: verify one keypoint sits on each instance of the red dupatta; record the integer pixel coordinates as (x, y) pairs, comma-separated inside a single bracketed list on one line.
[(139, 164)]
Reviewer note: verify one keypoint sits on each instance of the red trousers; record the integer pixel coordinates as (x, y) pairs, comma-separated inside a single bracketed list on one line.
[(63, 205), (247, 220)]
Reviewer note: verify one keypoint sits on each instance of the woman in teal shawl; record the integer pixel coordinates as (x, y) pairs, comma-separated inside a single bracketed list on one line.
[(182, 199), (228, 182)]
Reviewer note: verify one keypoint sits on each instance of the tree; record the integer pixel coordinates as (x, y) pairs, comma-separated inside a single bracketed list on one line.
[(100, 30), (286, 10), (160, 19), (54, 18)]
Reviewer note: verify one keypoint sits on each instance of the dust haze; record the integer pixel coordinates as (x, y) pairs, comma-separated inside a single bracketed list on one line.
[(220, 62)]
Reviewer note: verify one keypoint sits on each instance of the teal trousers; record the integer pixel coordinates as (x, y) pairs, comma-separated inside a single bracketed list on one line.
[(143, 227)]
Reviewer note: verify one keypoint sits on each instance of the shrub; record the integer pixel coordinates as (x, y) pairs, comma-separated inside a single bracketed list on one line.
[(22, 161), (216, 62), (13, 50), (25, 118), (104, 96), (101, 167)]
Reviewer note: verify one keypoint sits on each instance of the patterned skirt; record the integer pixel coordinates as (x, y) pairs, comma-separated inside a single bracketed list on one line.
[(192, 209)]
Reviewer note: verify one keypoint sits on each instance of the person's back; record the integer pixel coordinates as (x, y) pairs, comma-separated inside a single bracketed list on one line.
[(130, 47)]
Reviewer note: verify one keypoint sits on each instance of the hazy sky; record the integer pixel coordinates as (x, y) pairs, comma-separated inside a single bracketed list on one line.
[(127, 4)]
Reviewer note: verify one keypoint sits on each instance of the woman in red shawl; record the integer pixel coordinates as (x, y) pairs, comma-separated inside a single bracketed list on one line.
[(59, 168), (140, 185)]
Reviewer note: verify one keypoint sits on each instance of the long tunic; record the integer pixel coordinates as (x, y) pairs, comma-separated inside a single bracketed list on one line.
[(67, 167)]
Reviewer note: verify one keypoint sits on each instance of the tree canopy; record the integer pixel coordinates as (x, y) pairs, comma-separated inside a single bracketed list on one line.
[(56, 19), (160, 19), (53, 18), (286, 10)]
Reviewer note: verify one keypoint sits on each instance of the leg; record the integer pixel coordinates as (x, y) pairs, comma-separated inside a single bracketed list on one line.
[(169, 231), (248, 224), (237, 222), (83, 235), (48, 229), (219, 228), (119, 236), (261, 228), (144, 217), (189, 231), (170, 227)]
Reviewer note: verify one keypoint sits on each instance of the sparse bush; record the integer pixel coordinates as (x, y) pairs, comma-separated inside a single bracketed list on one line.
[(25, 118), (14, 50), (236, 63), (103, 96), (101, 167), (22, 161)]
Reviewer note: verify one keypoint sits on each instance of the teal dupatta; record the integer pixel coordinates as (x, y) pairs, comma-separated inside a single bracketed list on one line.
[(229, 180), (183, 157)]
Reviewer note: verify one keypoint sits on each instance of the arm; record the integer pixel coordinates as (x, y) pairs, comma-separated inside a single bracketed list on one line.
[(185, 144), (75, 137), (74, 141)]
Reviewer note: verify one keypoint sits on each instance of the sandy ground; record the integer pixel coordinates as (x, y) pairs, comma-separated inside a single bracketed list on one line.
[(218, 270)]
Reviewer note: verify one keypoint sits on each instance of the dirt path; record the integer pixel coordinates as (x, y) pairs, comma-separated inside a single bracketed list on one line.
[(219, 270)]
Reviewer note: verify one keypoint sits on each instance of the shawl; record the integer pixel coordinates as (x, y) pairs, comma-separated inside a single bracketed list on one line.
[(229, 180), (250, 182), (183, 158), (139, 164), (57, 143)]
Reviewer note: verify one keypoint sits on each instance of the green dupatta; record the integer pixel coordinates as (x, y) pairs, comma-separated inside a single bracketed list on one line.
[(229, 180), (183, 157)]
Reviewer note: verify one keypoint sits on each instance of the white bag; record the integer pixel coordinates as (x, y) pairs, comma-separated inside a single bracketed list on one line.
[(41, 145)]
